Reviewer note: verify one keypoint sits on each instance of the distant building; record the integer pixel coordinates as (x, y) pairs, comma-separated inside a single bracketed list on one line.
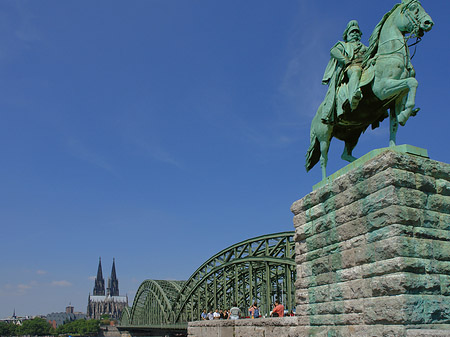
[(14, 319), (111, 303), (69, 309), (18, 320), (58, 318)]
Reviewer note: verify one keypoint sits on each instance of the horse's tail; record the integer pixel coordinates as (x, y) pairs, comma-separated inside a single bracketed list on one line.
[(313, 153)]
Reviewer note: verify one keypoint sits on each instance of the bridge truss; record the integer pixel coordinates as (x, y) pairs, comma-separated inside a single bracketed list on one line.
[(260, 269)]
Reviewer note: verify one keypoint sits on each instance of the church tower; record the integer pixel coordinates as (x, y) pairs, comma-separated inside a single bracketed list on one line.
[(111, 304), (113, 282), (99, 288)]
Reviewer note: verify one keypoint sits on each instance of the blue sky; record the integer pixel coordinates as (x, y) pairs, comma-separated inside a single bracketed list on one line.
[(161, 132)]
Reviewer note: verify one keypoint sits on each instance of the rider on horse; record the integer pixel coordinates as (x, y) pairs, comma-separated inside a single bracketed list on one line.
[(345, 66)]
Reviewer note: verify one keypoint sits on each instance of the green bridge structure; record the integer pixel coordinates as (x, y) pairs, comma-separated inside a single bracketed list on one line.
[(260, 269)]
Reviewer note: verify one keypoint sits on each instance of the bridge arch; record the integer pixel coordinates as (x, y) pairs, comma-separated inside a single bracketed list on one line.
[(153, 303), (260, 269)]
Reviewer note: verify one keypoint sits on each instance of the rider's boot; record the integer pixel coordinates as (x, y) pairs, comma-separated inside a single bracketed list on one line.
[(326, 118), (354, 101)]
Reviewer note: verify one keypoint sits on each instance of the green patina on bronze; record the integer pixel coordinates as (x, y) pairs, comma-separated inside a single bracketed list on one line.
[(365, 82)]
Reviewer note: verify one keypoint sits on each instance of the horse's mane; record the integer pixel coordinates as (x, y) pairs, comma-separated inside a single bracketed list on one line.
[(375, 37)]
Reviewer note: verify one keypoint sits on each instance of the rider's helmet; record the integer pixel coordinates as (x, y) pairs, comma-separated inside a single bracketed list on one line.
[(352, 25)]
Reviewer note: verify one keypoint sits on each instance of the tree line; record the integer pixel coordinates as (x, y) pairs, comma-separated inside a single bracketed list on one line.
[(40, 327)]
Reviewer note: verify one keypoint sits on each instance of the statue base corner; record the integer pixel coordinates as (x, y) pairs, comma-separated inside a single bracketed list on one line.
[(373, 247)]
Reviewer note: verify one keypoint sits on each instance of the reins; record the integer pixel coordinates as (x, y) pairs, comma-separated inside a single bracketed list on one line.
[(415, 22), (418, 39)]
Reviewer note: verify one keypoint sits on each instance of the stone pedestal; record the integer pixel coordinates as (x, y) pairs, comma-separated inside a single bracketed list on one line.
[(373, 249)]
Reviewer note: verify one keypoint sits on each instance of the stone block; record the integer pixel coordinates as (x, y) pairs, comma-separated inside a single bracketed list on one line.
[(319, 294), (431, 234), (444, 282), (425, 184), (385, 310), (396, 264), (427, 309), (439, 267), (427, 333), (348, 274), (353, 306), (440, 249), (299, 219), (389, 232), (439, 203), (405, 283), (443, 187), (395, 214), (354, 289)]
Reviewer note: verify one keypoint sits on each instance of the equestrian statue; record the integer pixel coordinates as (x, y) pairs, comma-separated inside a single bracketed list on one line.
[(364, 82)]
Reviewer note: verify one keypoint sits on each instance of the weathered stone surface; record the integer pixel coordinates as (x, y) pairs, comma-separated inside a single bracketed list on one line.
[(300, 327), (443, 187), (427, 333), (276, 327), (374, 247)]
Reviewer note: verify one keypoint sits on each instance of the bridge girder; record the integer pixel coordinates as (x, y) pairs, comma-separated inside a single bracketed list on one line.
[(153, 302), (259, 269)]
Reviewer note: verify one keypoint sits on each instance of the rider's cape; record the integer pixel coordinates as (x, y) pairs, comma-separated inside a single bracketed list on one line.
[(333, 76)]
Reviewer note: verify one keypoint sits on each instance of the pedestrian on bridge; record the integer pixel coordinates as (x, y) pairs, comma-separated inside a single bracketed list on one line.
[(235, 311), (254, 311), (278, 310), (225, 314)]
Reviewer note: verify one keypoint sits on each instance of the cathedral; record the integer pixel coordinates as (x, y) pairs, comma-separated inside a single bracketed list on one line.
[(106, 303)]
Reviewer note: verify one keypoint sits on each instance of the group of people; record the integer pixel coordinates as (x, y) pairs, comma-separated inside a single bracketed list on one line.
[(235, 312), (218, 314)]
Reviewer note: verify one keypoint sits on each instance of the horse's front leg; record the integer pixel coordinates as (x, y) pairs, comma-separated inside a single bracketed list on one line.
[(391, 87), (409, 110)]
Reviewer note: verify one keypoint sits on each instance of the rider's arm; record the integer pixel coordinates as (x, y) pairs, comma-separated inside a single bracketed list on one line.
[(338, 53)]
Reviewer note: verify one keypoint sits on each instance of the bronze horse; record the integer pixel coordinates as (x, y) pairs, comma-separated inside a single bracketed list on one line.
[(387, 83)]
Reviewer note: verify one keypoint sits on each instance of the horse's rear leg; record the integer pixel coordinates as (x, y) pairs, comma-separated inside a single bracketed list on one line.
[(393, 121), (348, 149), (324, 146)]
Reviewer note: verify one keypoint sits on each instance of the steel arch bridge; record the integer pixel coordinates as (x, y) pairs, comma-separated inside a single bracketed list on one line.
[(260, 269)]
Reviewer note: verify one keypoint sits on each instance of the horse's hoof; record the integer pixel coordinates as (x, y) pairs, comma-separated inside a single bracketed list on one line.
[(402, 119), (415, 111), (348, 158)]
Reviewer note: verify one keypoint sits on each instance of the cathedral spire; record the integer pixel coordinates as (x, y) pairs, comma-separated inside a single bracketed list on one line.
[(99, 288), (99, 271), (113, 282), (113, 270)]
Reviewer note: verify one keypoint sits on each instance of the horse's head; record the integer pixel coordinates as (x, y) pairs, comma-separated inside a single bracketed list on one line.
[(416, 20)]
